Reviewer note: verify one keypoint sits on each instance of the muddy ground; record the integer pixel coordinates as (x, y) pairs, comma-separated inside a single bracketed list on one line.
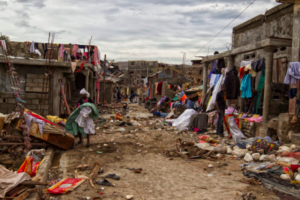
[(162, 177)]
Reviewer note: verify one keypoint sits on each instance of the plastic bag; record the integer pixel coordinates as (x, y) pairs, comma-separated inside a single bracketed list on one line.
[(221, 148), (26, 166), (184, 118), (288, 160)]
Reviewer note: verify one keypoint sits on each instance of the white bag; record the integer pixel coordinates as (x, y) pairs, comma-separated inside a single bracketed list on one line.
[(184, 118)]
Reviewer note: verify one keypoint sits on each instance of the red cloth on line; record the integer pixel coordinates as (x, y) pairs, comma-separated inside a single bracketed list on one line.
[(41, 118), (81, 67), (241, 72), (159, 88), (170, 104)]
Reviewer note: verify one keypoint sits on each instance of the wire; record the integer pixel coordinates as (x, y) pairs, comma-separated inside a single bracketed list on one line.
[(224, 28)]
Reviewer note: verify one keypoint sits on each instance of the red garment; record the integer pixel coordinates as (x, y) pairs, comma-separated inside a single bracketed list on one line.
[(183, 98), (159, 88), (241, 72), (81, 67), (41, 118), (170, 104), (294, 167)]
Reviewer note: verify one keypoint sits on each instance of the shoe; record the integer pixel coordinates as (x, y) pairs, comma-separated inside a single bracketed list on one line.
[(104, 182), (112, 176), (87, 144), (100, 171)]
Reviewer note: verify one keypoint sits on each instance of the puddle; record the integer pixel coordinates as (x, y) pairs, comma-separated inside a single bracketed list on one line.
[(56, 160)]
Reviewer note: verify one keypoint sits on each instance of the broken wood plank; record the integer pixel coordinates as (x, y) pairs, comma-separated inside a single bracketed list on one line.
[(94, 173), (33, 183), (25, 194), (33, 144)]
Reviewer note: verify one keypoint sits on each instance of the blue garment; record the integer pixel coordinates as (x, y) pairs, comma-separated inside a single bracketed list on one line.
[(211, 72), (163, 115), (148, 93), (187, 103), (246, 86), (214, 64), (156, 113), (216, 79), (181, 94)]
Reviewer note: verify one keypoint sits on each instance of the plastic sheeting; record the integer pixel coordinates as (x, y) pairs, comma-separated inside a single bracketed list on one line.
[(184, 118), (217, 89), (9, 180), (232, 128)]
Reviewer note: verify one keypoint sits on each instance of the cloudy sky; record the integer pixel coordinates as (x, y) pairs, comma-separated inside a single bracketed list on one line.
[(130, 29)]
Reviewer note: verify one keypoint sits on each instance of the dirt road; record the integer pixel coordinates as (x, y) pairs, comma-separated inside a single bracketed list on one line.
[(161, 177)]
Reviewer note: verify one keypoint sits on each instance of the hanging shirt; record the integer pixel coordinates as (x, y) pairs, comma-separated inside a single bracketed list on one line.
[(251, 72), (241, 72), (246, 86), (293, 73), (32, 47)]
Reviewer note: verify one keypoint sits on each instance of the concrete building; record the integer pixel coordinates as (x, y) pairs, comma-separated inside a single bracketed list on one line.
[(273, 36), (31, 68)]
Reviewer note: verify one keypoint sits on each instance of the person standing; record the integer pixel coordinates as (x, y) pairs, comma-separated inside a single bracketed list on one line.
[(85, 98), (221, 106)]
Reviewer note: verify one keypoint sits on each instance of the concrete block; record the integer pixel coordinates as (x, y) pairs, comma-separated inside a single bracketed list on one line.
[(40, 81), (41, 76), (40, 96), (33, 76), (6, 94), (261, 129), (32, 107), (284, 117), (296, 138), (29, 80), (31, 95), (35, 101), (28, 101), (11, 100)]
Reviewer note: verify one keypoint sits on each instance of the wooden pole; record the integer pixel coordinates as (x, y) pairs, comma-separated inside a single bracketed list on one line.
[(104, 79)]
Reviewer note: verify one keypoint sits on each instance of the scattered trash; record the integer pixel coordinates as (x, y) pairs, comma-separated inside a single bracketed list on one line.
[(112, 176), (129, 197)]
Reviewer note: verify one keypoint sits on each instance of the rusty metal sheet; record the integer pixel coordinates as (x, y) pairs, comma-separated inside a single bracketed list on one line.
[(275, 72)]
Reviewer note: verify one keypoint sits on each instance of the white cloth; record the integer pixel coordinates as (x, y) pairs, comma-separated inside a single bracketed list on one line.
[(37, 52), (215, 92), (30, 119), (212, 80), (32, 47), (244, 63), (3, 44), (234, 130), (184, 118), (83, 91), (293, 73), (84, 120), (9, 180)]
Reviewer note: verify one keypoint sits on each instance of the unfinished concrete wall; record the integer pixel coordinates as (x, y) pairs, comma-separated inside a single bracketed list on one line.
[(277, 22), (107, 95)]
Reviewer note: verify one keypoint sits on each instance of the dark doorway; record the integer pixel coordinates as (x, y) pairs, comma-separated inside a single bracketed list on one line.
[(80, 81)]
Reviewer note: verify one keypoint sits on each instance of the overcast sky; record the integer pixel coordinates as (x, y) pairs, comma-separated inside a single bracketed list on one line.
[(130, 29)]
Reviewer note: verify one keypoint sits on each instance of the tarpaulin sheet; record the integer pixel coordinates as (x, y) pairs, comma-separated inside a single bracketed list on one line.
[(9, 180)]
